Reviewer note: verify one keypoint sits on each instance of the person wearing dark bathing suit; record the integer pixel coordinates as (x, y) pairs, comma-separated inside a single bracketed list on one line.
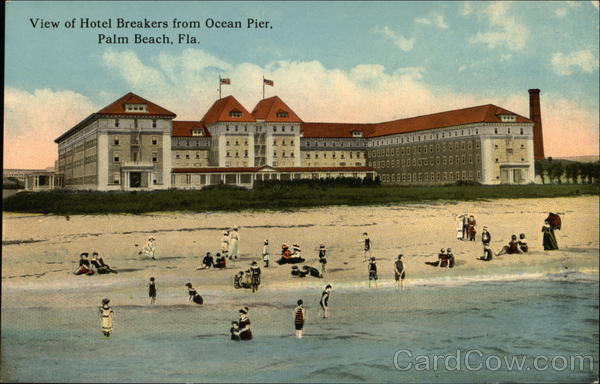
[(193, 296), (299, 318), (442, 260), (235, 331), (152, 291), (244, 322), (84, 265), (324, 302), (451, 260), (298, 272), (372, 272), (322, 257), (207, 262), (487, 254), (523, 243), (399, 272), (310, 271), (485, 236), (255, 272), (367, 245), (511, 248)]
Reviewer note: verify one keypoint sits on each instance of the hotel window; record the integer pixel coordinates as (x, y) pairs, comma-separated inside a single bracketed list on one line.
[(425, 149), (497, 160), (477, 159), (117, 123), (470, 159), (274, 153), (187, 156), (463, 159), (444, 160), (478, 175), (237, 154), (197, 155), (188, 179), (414, 162), (177, 155), (246, 153), (291, 154), (470, 175), (496, 130), (235, 113), (437, 160), (116, 140), (496, 146), (227, 143), (116, 157), (425, 161), (155, 157), (457, 175), (521, 131), (228, 154), (153, 123), (316, 155), (450, 160), (117, 178), (154, 140), (464, 175), (426, 176), (509, 131), (237, 142)]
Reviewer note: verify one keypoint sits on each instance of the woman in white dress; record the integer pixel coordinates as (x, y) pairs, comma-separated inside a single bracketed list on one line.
[(108, 316)]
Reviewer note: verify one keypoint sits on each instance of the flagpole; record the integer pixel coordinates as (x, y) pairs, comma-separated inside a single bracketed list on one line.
[(263, 87), (219, 86)]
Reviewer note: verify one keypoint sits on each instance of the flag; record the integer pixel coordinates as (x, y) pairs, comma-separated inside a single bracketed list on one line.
[(226, 80), (269, 82)]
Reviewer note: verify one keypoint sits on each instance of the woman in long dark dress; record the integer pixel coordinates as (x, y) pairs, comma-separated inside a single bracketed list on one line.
[(550, 242)]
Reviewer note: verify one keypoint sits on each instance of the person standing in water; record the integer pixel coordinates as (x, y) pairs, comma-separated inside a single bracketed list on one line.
[(299, 318), (244, 323), (323, 258), (152, 291), (367, 245), (324, 302), (265, 253), (372, 272), (399, 272), (107, 315)]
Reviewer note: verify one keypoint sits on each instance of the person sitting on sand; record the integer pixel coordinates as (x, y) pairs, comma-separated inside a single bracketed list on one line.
[(549, 242), (511, 248), (220, 261), (100, 265), (297, 272), (285, 252), (487, 254), (310, 271), (193, 296), (239, 280), (84, 265), (207, 262), (296, 252), (451, 260), (399, 272), (248, 279), (523, 243), (372, 267), (287, 257), (244, 322), (442, 260), (322, 257), (235, 331), (149, 249)]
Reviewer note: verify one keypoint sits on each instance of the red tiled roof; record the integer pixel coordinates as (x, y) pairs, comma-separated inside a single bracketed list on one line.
[(281, 169), (118, 107), (267, 109), (221, 109), (334, 129), (185, 128), (488, 113)]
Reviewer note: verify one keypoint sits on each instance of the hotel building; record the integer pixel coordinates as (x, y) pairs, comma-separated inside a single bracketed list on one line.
[(134, 144)]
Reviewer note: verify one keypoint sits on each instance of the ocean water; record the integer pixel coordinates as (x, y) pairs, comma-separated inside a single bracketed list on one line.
[(376, 334)]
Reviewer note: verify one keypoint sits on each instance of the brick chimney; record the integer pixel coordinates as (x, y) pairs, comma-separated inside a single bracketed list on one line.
[(536, 116)]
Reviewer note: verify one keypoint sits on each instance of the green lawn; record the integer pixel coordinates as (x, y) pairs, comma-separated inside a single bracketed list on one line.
[(278, 196)]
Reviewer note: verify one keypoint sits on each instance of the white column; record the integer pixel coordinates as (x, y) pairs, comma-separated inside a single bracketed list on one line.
[(221, 150), (297, 156), (530, 172), (269, 148), (102, 152), (251, 149), (487, 161), (166, 159)]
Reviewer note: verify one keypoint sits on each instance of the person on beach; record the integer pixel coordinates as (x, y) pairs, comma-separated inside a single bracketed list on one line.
[(399, 272), (235, 331), (485, 236), (451, 260), (299, 318), (487, 254), (225, 243), (207, 262), (149, 249), (324, 302), (100, 266), (310, 271), (220, 261), (296, 252), (322, 257), (248, 280), (367, 245), (244, 322), (511, 248), (84, 267), (255, 272), (471, 228), (442, 260), (523, 243), (266, 253), (107, 315), (297, 272), (234, 243), (152, 291), (193, 296), (549, 241), (372, 267), (554, 221)]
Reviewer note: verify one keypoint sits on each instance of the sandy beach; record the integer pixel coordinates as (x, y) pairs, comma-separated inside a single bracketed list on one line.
[(40, 252)]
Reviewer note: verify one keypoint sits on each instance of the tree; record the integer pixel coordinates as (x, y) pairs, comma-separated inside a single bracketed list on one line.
[(572, 172), (587, 172), (556, 171), (539, 170)]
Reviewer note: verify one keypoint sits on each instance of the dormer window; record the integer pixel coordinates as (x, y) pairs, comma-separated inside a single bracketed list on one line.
[(136, 108), (282, 114), (197, 132), (357, 134), (508, 118), (235, 113)]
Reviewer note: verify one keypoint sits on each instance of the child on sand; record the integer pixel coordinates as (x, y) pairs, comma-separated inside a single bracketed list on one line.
[(372, 272), (299, 318), (152, 291)]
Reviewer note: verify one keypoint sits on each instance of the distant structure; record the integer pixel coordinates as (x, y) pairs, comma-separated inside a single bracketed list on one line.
[(134, 144), (535, 115)]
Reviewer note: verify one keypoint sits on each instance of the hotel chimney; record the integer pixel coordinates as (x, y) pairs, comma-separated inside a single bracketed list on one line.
[(536, 116)]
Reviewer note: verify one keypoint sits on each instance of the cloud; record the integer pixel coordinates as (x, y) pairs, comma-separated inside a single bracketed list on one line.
[(566, 64), (364, 93), (505, 31), (467, 8), (32, 120), (560, 12), (506, 57), (436, 20), (405, 44), (462, 68)]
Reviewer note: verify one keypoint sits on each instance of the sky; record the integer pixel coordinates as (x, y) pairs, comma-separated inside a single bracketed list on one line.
[(330, 61)]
